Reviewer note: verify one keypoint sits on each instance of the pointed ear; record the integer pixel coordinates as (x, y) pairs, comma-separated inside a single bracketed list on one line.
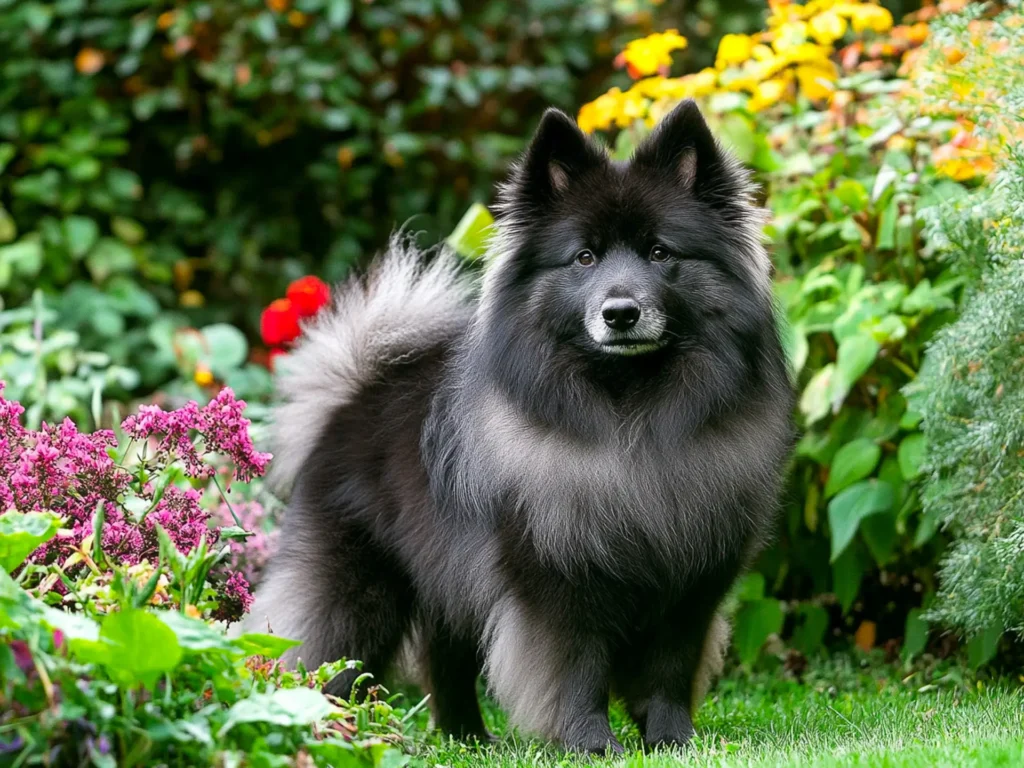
[(558, 153), (682, 144)]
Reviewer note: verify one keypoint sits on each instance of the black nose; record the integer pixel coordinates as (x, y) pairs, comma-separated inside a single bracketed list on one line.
[(620, 314)]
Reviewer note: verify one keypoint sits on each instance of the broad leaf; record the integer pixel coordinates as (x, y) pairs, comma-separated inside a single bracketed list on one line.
[(470, 237), (915, 634), (845, 511), (854, 461), (271, 646), (21, 533), (756, 621), (847, 573), (290, 707), (141, 647), (812, 624), (911, 455)]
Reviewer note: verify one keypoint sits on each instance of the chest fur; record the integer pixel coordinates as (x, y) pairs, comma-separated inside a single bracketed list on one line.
[(688, 503)]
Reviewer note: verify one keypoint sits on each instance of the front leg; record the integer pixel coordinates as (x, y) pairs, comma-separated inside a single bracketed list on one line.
[(670, 673), (584, 698), (550, 675)]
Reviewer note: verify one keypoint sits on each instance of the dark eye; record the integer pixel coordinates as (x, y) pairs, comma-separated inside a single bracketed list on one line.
[(658, 253), (585, 258)]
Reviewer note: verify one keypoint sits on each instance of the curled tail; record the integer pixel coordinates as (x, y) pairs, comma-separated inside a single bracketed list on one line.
[(402, 306)]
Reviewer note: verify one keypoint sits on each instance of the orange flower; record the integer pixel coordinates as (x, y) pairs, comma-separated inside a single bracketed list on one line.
[(165, 20), (279, 323), (308, 294), (89, 61), (346, 157), (278, 6)]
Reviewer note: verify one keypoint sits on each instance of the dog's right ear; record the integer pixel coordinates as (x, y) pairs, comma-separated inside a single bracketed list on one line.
[(558, 154)]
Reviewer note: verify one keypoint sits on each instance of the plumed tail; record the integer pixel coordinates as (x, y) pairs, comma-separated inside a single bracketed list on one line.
[(403, 306)]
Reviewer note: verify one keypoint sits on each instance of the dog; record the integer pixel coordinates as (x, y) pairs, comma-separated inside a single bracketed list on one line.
[(551, 475)]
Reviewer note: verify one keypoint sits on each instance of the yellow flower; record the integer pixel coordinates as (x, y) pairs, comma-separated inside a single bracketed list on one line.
[(704, 82), (815, 82), (827, 27), (766, 94), (600, 113), (790, 35), (203, 376), (733, 49), (806, 53), (649, 54), (873, 17)]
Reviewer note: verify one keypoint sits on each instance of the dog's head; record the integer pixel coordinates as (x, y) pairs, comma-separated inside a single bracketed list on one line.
[(628, 258)]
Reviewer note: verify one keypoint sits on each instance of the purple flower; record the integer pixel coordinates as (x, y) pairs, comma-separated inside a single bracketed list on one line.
[(234, 599)]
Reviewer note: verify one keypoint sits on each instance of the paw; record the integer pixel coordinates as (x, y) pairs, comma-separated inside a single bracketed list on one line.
[(607, 746), (667, 740)]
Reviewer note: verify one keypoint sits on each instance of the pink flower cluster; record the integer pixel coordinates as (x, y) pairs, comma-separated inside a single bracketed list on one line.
[(62, 470), (220, 424)]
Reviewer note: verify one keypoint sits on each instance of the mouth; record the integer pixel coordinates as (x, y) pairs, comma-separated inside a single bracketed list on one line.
[(630, 347)]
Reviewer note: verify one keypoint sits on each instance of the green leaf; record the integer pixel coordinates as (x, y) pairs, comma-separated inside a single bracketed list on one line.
[(109, 257), (756, 621), (750, 587), (845, 511), (852, 194), (794, 341), (812, 624), (8, 229), (854, 461), (128, 230), (814, 402), (225, 348), (885, 239), (855, 356), (141, 647), (911, 454), (196, 635), (25, 256), (883, 180), (21, 533), (879, 533), (271, 646), (915, 634), (981, 648), (847, 573), (927, 527), (338, 13), (469, 238), (288, 707)]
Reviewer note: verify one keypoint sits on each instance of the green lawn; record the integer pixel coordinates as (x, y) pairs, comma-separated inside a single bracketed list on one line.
[(841, 715)]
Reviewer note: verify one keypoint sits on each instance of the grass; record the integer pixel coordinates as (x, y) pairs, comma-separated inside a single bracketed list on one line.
[(845, 712)]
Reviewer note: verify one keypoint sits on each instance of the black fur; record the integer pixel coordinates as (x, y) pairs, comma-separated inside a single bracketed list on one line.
[(516, 495)]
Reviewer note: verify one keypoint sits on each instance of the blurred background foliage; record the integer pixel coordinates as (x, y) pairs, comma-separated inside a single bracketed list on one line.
[(167, 168), (170, 165)]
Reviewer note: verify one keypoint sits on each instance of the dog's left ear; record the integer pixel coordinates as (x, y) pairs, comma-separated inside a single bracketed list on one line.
[(682, 144), (558, 154)]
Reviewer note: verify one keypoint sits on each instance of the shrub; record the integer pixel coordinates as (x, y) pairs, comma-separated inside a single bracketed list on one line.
[(971, 388), (814, 104), (113, 581)]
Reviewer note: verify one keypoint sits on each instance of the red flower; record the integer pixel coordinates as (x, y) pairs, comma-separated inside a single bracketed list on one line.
[(308, 294), (279, 323)]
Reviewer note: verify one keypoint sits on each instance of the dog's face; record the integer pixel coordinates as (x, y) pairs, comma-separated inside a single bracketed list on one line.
[(629, 258)]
